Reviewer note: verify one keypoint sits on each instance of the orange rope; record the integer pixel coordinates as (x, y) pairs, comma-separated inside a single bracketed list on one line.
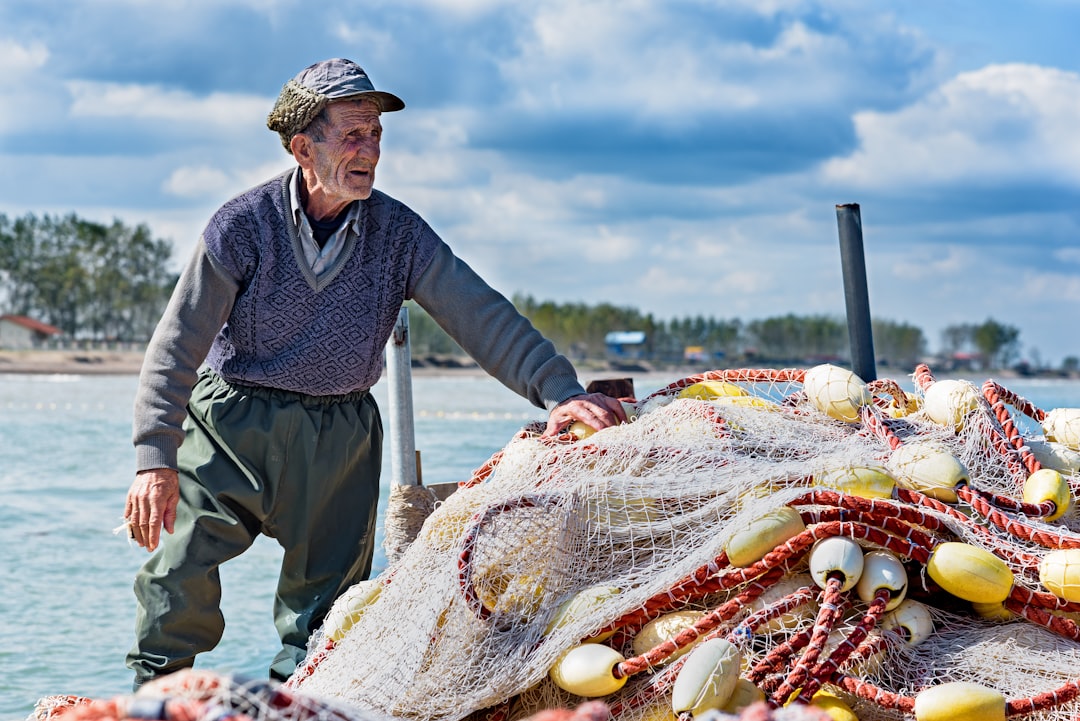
[(923, 377), (824, 670), (997, 397), (828, 615), (661, 652)]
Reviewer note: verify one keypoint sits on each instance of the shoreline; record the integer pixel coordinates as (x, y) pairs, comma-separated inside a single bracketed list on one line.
[(124, 362), (129, 362), (70, 362), (83, 362)]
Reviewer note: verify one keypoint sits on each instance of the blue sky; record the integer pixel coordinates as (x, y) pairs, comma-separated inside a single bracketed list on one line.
[(676, 156)]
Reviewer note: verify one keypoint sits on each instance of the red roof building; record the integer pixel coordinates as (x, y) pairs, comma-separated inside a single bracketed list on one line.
[(17, 332)]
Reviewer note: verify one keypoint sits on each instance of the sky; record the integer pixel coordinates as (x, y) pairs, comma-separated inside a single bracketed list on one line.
[(679, 157)]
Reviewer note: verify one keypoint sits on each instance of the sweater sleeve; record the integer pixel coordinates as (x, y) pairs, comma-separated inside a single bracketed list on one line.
[(490, 329), (199, 306)]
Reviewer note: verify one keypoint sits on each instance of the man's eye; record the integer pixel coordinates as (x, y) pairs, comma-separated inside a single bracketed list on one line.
[(360, 134)]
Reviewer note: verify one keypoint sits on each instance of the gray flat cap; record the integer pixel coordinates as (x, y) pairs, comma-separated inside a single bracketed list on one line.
[(304, 97)]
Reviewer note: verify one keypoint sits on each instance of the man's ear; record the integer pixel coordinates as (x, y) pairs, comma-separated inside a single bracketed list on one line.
[(300, 145)]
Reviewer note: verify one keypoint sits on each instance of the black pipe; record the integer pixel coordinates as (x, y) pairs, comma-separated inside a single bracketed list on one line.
[(860, 331)]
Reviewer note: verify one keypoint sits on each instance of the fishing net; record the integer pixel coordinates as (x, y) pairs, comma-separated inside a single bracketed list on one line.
[(752, 540)]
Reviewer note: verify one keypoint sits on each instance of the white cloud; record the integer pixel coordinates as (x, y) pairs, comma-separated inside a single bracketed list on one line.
[(18, 59), (1054, 289), (1067, 255), (22, 86), (663, 60), (604, 243), (462, 8), (187, 6), (206, 188), (936, 263), (154, 102), (197, 182), (1001, 123), (375, 42), (614, 55)]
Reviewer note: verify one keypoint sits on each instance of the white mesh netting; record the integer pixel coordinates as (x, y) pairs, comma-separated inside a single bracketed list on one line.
[(639, 532)]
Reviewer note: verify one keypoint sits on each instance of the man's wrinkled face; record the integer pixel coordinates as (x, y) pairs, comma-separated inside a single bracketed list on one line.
[(344, 159)]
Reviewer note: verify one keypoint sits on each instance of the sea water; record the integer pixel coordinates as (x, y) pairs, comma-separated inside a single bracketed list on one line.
[(66, 604), (66, 462)]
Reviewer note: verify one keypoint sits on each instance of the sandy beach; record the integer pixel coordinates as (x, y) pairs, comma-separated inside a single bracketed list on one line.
[(98, 362), (76, 362), (117, 362)]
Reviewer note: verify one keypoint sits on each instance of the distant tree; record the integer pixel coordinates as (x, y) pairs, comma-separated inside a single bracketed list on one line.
[(18, 261), (578, 330), (792, 337), (956, 338), (900, 344), (89, 280), (425, 335), (714, 336), (111, 282), (998, 344), (580, 326)]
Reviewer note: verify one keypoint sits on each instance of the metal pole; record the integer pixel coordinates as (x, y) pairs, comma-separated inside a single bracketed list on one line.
[(399, 375), (860, 331)]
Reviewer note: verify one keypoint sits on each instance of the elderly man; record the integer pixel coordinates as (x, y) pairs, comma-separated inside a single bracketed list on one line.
[(253, 413)]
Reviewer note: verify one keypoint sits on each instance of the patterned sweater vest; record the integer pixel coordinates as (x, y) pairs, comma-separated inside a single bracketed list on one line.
[(291, 331)]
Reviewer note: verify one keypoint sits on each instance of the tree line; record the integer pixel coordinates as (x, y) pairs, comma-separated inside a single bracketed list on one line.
[(112, 282), (579, 330), (92, 281)]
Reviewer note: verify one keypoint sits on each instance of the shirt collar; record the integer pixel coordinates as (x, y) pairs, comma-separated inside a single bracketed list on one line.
[(300, 217)]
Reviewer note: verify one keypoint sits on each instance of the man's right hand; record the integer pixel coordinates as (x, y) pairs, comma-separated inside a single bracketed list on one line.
[(151, 504)]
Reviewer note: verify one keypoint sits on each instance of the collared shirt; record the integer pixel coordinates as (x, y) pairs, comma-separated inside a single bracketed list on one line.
[(320, 259)]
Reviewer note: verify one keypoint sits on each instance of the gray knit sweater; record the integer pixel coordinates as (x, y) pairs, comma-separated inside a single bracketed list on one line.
[(249, 307)]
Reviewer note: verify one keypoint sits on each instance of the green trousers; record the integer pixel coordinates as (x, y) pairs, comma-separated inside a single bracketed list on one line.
[(301, 469)]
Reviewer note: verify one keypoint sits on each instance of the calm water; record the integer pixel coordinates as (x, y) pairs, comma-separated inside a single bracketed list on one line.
[(66, 605)]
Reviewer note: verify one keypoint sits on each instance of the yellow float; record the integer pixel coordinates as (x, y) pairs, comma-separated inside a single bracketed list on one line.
[(582, 605), (862, 481), (928, 468), (1046, 484), (1062, 425), (707, 679), (836, 392), (587, 670), (959, 701), (744, 694), (948, 402), (762, 535), (663, 629), (711, 390), (1059, 572), (349, 607), (971, 573), (833, 705)]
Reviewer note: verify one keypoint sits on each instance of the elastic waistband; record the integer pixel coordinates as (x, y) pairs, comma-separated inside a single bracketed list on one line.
[(282, 394)]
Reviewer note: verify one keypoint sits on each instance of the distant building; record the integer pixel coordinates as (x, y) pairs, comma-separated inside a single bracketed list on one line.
[(695, 354), (17, 332), (622, 344)]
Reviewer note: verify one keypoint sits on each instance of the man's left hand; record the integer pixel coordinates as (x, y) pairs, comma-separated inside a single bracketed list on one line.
[(595, 410)]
